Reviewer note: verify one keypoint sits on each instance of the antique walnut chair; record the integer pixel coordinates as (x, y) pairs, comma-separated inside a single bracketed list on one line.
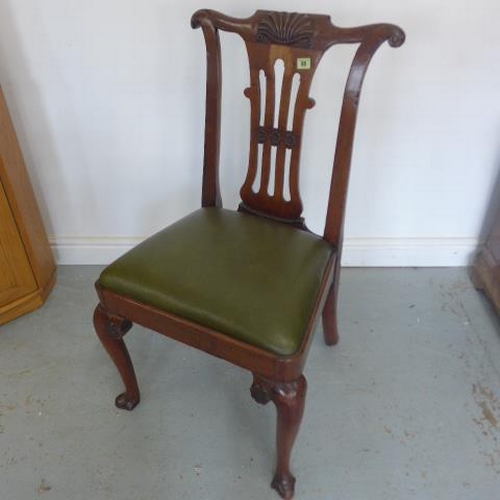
[(248, 286)]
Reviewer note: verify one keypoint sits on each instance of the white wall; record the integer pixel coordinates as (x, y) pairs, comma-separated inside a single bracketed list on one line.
[(107, 97)]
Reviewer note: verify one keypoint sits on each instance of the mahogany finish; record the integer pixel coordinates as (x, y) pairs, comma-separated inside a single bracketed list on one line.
[(270, 189)]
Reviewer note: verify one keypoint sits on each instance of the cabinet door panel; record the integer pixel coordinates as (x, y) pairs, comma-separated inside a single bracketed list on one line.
[(16, 277)]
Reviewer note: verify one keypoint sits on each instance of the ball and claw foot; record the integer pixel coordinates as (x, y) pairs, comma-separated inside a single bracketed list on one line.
[(124, 402), (284, 485)]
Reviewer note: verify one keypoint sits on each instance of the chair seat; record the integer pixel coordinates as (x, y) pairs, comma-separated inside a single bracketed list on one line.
[(221, 269)]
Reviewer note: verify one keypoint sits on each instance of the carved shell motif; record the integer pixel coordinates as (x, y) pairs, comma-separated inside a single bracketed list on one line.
[(286, 28)]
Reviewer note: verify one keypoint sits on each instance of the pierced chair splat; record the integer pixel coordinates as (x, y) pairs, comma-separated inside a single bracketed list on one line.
[(249, 286)]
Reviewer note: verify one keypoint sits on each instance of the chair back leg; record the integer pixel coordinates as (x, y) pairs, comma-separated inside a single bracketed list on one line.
[(329, 315)]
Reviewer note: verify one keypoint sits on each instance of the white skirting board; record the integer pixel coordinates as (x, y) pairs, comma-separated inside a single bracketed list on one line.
[(358, 252)]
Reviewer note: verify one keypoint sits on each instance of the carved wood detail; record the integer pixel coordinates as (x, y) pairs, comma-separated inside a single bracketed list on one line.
[(286, 28), (274, 166), (116, 326), (276, 137)]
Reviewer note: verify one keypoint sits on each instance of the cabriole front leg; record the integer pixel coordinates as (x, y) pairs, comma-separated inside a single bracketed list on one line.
[(289, 399), (110, 329)]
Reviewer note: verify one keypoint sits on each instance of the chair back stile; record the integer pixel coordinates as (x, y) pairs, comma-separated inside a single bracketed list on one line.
[(278, 107)]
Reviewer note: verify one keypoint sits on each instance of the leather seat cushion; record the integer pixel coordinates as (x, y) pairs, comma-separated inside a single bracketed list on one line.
[(245, 276)]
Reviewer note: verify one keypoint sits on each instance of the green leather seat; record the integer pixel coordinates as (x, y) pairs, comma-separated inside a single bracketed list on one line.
[(221, 269)]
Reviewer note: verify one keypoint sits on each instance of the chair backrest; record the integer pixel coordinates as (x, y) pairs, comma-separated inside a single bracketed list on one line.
[(299, 41)]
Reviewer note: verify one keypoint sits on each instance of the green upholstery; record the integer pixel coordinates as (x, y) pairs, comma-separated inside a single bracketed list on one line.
[(247, 277)]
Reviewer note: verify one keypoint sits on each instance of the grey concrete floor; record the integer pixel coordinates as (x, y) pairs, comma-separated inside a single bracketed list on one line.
[(407, 406)]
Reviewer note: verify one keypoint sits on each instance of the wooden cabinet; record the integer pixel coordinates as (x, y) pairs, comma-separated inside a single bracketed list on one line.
[(27, 268), (486, 270)]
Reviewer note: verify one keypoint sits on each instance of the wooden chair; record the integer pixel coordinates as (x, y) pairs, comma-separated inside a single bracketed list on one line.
[(248, 286)]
